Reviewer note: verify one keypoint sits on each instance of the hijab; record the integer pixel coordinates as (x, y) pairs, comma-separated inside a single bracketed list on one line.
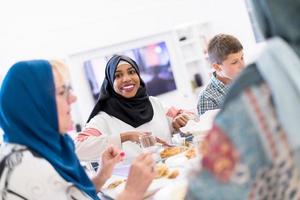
[(28, 116), (134, 111)]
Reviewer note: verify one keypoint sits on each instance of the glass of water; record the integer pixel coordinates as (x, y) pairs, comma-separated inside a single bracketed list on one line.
[(148, 145), (147, 142)]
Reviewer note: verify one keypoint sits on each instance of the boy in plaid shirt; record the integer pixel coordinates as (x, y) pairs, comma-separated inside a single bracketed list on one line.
[(225, 54)]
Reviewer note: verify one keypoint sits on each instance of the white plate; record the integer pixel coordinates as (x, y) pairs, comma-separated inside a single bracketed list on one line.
[(113, 193), (174, 191), (178, 160), (156, 185)]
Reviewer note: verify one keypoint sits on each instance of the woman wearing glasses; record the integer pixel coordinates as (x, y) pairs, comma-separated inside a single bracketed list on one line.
[(37, 158)]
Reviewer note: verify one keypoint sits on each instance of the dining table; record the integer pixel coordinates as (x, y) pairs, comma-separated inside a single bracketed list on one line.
[(164, 187)]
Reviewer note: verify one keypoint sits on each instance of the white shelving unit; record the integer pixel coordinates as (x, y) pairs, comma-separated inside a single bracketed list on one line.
[(192, 40)]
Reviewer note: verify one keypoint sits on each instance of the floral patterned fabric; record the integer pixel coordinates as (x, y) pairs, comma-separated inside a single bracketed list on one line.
[(249, 153)]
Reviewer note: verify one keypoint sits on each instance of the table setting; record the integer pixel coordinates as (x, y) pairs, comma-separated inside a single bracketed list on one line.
[(174, 162)]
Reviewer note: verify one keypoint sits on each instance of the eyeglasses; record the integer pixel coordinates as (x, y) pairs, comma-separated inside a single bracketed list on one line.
[(64, 91)]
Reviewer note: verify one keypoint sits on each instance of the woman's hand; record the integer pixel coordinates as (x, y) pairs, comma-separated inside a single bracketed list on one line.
[(163, 142), (133, 136), (140, 177), (110, 157)]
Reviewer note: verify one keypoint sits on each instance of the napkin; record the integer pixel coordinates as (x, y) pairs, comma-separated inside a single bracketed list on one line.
[(201, 126)]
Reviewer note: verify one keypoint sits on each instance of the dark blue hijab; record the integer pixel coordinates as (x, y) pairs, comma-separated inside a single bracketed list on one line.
[(28, 117), (134, 111)]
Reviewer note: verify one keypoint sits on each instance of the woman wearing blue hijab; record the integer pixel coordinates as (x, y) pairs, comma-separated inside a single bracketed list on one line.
[(37, 159)]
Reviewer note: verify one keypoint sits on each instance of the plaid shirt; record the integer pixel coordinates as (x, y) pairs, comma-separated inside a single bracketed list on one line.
[(212, 97)]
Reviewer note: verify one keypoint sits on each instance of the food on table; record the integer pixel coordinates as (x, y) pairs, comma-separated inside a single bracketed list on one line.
[(161, 170), (116, 183), (171, 151), (173, 174), (188, 144), (191, 153)]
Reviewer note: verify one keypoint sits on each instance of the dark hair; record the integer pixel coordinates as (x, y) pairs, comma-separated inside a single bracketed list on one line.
[(221, 45)]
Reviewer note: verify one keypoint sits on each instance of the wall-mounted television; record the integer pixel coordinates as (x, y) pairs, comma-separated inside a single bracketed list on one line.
[(153, 61)]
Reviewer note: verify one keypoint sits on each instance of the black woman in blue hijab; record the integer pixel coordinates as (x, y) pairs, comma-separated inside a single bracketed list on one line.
[(37, 158)]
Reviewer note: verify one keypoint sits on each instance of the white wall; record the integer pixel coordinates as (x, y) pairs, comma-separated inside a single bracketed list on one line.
[(39, 29), (56, 28), (231, 17), (182, 97)]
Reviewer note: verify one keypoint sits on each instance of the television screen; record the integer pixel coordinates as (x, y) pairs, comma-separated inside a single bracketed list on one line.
[(94, 72), (153, 61)]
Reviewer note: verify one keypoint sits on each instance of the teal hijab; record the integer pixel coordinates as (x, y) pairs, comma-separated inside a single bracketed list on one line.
[(28, 116)]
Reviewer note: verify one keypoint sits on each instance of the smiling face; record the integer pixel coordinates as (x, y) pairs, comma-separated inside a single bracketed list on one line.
[(127, 81), (64, 99)]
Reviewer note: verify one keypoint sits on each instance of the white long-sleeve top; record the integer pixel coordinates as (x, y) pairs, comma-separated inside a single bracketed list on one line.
[(104, 129), (26, 175)]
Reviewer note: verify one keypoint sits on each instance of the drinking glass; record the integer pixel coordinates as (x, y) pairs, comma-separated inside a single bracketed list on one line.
[(147, 142), (148, 145)]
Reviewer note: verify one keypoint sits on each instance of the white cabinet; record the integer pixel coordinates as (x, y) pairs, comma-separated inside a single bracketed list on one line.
[(191, 40)]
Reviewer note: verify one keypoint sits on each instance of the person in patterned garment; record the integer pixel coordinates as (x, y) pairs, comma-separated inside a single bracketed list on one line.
[(253, 149), (225, 54)]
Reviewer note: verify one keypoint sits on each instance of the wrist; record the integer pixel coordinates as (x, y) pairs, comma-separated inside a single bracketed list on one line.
[(99, 180), (124, 137)]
